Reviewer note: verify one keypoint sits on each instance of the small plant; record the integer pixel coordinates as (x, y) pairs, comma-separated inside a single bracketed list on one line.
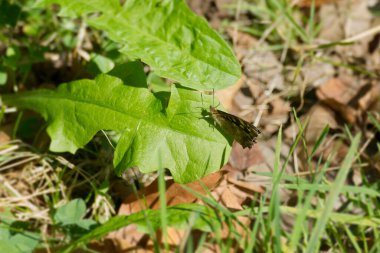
[(176, 44)]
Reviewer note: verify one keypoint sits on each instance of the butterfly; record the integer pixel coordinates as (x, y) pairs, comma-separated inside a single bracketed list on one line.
[(242, 131)]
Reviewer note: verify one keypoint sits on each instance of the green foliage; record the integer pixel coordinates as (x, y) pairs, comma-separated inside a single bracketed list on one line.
[(100, 64), (24, 33), (166, 35), (3, 76), (289, 25), (180, 216), (152, 136), (9, 13), (14, 235), (176, 44), (330, 201), (72, 214), (69, 219)]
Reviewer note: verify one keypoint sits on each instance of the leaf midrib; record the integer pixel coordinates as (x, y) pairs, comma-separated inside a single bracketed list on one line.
[(52, 96)]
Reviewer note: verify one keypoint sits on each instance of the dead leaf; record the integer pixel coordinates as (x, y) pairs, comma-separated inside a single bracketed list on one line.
[(249, 187), (243, 100), (317, 73), (338, 95), (129, 238), (175, 194), (332, 23), (317, 3), (337, 90), (242, 40), (226, 96), (4, 138), (319, 117), (241, 158), (276, 115), (370, 97), (230, 200)]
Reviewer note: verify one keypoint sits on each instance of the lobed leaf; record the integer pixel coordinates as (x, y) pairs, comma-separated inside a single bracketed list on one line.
[(152, 136)]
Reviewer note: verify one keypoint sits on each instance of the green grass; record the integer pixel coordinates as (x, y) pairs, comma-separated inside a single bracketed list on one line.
[(317, 222)]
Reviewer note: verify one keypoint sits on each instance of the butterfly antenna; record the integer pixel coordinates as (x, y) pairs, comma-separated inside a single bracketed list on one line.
[(213, 102)]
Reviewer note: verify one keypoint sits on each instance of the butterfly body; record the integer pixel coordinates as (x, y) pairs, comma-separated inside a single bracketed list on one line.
[(243, 132)]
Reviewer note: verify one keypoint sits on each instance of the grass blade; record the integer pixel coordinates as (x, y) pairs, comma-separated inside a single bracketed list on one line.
[(338, 185)]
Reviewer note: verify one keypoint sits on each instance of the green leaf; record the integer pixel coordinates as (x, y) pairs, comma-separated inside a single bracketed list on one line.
[(80, 7), (156, 83), (180, 216), (100, 64), (9, 13), (13, 235), (25, 241), (152, 136), (70, 213), (86, 223), (131, 73), (8, 246), (166, 35), (12, 57), (3, 76)]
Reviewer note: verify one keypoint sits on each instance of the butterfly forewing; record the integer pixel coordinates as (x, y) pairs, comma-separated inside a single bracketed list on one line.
[(243, 132)]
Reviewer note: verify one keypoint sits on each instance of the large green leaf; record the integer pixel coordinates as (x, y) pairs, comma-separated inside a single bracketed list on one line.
[(166, 35), (152, 136)]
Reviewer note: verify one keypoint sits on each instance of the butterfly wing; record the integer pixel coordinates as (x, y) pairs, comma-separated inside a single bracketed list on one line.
[(243, 132)]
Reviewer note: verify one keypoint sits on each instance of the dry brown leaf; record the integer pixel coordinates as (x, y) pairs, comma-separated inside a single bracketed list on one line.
[(351, 101), (332, 24), (370, 97), (242, 40), (317, 73), (224, 190), (241, 159), (4, 137), (276, 115), (338, 95), (129, 238), (230, 200), (226, 96), (249, 187), (319, 116), (242, 100), (262, 67), (308, 3), (337, 90), (175, 194)]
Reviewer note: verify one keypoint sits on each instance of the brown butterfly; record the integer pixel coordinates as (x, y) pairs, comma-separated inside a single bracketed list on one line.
[(242, 131)]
